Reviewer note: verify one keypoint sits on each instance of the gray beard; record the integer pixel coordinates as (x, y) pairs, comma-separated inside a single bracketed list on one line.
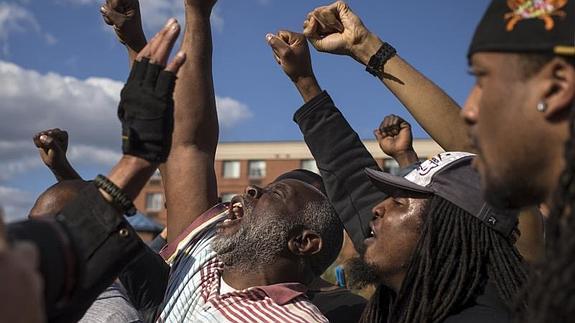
[(256, 244)]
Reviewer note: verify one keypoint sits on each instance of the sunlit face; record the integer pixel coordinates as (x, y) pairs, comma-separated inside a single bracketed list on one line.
[(395, 231), (504, 127), (256, 230)]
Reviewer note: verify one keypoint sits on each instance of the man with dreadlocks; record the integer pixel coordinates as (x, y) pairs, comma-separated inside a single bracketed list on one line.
[(523, 57), (438, 251)]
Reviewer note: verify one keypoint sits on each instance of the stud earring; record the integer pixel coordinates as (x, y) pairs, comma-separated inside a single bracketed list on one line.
[(541, 106)]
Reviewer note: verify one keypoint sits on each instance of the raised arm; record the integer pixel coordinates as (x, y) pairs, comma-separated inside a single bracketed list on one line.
[(336, 29), (189, 176), (52, 145), (125, 17), (340, 155)]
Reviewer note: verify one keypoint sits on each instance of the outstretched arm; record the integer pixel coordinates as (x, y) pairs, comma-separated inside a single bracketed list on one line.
[(52, 145), (189, 176), (433, 109)]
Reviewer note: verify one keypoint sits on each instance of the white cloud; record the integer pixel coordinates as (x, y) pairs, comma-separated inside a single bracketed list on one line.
[(15, 203), (17, 19), (31, 102)]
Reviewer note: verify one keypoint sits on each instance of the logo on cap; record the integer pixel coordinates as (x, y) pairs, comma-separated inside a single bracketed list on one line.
[(530, 9)]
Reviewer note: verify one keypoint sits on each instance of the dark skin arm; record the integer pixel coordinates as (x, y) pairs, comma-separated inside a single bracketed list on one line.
[(395, 139), (189, 175), (437, 113), (52, 145), (125, 17)]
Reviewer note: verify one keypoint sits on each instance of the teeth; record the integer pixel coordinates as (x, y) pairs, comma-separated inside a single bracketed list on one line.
[(227, 221), (372, 233)]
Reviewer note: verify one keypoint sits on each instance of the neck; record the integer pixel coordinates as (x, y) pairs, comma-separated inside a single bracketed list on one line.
[(281, 271)]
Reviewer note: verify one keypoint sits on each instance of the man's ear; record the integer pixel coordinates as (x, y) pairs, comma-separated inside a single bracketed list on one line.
[(559, 94), (306, 243)]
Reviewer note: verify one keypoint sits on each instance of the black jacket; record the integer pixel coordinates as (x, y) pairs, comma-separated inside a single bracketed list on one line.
[(82, 251)]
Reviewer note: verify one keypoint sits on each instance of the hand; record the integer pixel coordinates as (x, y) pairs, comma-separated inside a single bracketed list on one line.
[(336, 29), (52, 145), (125, 17), (146, 107), (292, 53), (395, 139), (21, 288)]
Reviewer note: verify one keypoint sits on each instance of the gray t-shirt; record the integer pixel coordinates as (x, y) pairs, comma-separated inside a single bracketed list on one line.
[(112, 306)]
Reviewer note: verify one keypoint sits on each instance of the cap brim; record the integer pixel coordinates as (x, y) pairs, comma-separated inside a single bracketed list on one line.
[(391, 184)]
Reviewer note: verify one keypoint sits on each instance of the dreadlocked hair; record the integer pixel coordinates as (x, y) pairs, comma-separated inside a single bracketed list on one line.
[(552, 283), (453, 260)]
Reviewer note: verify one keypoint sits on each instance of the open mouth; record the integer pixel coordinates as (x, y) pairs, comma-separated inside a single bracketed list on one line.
[(235, 212), (370, 235)]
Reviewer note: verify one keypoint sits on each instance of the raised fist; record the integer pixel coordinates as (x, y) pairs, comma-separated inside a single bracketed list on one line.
[(292, 53), (394, 136), (52, 145), (335, 29), (124, 16)]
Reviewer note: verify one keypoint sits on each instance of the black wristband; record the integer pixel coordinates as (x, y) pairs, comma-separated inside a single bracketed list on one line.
[(119, 198), (376, 62)]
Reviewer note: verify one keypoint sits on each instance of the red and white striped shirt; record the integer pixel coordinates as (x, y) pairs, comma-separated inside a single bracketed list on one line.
[(193, 293)]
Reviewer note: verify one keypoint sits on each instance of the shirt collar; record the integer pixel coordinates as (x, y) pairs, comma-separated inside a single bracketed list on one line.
[(283, 293)]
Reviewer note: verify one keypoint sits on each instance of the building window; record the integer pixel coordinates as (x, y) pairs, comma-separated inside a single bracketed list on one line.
[(390, 166), (227, 197), (257, 169), (154, 202), (309, 164), (231, 169)]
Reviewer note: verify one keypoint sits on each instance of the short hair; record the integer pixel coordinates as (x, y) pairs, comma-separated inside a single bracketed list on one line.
[(320, 217), (531, 63)]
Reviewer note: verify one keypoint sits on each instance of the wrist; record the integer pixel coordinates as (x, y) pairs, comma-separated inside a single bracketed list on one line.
[(363, 51), (308, 87), (406, 157), (194, 11)]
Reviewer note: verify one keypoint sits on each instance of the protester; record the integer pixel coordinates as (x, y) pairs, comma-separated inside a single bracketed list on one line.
[(84, 247), (521, 112), (425, 227)]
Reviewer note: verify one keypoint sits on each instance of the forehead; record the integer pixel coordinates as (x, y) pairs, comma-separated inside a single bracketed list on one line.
[(300, 187)]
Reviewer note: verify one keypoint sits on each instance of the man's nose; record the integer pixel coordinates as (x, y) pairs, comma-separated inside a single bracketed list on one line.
[(254, 191), (470, 109)]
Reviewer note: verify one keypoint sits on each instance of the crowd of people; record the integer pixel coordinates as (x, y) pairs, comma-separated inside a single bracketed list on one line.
[(459, 237)]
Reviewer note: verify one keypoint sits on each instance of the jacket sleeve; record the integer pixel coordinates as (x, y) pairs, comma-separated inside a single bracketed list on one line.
[(341, 158), (89, 242)]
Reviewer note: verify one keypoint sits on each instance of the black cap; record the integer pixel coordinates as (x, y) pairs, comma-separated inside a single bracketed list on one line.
[(531, 26), (450, 176)]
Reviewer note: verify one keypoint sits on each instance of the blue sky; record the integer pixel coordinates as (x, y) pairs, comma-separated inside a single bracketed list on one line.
[(61, 66)]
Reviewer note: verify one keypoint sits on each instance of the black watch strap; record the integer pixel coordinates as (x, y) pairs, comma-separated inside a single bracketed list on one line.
[(119, 198), (376, 62)]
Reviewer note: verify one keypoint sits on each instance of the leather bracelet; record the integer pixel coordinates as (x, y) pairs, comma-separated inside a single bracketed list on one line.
[(376, 62), (119, 198)]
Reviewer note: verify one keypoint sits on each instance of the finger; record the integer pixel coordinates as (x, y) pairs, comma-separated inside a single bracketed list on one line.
[(36, 139), (162, 52), (278, 45), (378, 135), (145, 52), (385, 123), (152, 73), (176, 63), (310, 30)]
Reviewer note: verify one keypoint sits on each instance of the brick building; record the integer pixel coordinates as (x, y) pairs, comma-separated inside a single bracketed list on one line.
[(244, 163)]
